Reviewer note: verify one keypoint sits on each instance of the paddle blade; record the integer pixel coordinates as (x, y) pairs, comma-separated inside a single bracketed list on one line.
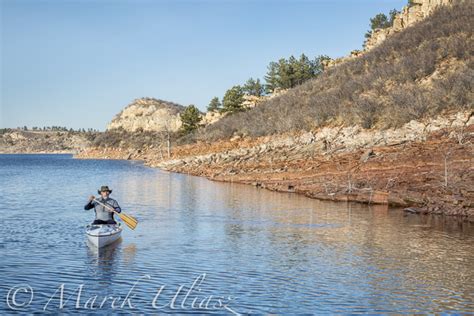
[(128, 220)]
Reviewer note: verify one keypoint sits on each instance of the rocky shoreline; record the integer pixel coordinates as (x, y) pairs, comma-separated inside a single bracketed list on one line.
[(425, 167)]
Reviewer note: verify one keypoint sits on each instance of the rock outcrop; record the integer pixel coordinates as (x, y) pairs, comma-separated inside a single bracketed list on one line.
[(148, 114), (251, 101), (416, 11), (211, 117)]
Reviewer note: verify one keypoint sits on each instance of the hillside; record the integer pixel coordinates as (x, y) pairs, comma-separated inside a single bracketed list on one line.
[(420, 72)]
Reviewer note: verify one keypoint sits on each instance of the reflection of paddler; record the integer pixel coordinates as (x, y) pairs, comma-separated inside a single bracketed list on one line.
[(105, 257)]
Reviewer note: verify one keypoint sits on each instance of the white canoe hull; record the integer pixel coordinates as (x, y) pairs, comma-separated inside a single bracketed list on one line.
[(103, 235)]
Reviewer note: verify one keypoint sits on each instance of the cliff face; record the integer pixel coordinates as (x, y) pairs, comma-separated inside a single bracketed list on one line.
[(148, 114)]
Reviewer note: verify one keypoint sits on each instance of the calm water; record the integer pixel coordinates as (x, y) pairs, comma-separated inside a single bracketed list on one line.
[(246, 250)]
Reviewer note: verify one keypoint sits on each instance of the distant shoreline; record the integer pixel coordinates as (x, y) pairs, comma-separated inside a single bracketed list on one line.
[(40, 153)]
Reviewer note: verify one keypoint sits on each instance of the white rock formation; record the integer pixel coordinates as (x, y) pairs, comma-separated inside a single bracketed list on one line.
[(148, 114)]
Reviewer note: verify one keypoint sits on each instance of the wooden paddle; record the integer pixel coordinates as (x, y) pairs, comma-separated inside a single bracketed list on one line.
[(127, 219)]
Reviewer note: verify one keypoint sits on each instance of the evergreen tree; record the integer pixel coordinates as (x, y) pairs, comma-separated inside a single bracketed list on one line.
[(289, 73), (253, 87), (303, 70), (318, 65), (380, 21), (190, 119), (392, 14), (285, 73), (233, 99), (271, 78), (215, 105)]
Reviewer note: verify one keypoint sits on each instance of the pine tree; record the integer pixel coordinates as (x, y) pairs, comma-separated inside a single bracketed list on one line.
[(190, 119), (215, 105), (304, 69), (253, 87), (271, 78), (380, 21), (285, 73), (233, 99), (288, 73), (318, 64)]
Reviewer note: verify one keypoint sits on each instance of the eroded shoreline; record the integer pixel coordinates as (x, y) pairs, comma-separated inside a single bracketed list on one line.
[(426, 167)]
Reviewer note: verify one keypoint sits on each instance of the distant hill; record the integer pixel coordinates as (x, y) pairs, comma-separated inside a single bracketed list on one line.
[(419, 72), (148, 114), (20, 141)]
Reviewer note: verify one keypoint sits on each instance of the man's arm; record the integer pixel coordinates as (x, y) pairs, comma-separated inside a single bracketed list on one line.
[(117, 207), (91, 204)]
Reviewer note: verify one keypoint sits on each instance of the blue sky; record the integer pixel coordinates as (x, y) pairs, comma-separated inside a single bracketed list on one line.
[(77, 63)]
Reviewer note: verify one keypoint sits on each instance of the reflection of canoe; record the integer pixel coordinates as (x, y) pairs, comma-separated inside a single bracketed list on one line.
[(103, 235)]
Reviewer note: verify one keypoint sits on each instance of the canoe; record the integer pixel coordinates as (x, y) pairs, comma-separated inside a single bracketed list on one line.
[(103, 235)]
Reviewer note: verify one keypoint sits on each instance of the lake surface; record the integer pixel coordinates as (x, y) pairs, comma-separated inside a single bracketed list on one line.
[(208, 247)]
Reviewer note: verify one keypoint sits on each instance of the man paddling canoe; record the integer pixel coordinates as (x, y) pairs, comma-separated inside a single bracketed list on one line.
[(102, 214)]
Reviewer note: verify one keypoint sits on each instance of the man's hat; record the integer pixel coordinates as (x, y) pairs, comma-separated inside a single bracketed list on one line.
[(103, 189)]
